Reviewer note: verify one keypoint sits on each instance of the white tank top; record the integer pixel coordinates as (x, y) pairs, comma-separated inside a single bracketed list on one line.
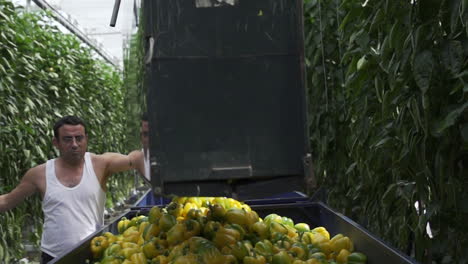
[(71, 214), (147, 164)]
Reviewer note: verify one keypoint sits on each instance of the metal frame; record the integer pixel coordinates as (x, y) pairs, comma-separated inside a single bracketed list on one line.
[(77, 32)]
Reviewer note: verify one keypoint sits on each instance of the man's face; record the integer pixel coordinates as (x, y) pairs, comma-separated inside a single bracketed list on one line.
[(72, 142), (144, 134)]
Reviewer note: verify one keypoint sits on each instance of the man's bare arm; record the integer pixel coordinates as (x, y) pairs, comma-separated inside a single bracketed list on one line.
[(25, 188), (116, 162)]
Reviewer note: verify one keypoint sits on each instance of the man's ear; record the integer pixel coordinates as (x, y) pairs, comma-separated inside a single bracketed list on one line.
[(55, 142)]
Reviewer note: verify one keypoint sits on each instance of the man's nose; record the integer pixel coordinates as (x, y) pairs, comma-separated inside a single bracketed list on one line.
[(74, 142)]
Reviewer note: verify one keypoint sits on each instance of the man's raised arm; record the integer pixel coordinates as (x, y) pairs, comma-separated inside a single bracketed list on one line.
[(119, 162), (25, 188)]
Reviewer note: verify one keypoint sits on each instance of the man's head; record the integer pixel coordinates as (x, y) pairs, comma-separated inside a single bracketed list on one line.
[(70, 138)]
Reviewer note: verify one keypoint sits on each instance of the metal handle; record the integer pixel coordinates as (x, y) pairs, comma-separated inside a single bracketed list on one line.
[(115, 12), (149, 54)]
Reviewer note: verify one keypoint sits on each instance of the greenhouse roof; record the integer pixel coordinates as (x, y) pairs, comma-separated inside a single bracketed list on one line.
[(91, 18)]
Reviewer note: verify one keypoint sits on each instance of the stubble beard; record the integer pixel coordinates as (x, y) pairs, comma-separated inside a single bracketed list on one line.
[(73, 157)]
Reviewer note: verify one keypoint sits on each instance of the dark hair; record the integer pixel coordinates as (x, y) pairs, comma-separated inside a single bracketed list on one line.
[(67, 120), (144, 116)]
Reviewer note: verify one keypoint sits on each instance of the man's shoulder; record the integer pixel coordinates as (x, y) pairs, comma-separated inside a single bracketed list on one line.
[(36, 171), (38, 168), (95, 158)]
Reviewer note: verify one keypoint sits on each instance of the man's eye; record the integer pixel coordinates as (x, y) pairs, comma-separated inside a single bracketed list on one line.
[(79, 138)]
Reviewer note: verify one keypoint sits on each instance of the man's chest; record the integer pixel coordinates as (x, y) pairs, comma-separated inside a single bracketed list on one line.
[(69, 178)]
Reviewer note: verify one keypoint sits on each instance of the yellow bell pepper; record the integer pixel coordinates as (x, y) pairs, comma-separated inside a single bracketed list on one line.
[(179, 199), (316, 261), (246, 207), (283, 244), (260, 229), (175, 235), (282, 257), (210, 229), (174, 209), (138, 258), (357, 258), (113, 249), (161, 259), (111, 260), (98, 245), (216, 212), (186, 259), (254, 260), (128, 252), (111, 238), (226, 236), (166, 222), (321, 230), (313, 238), (195, 201), (239, 250), (194, 213), (129, 245), (123, 225), (149, 249), (187, 207), (343, 256), (298, 261), (340, 242), (151, 231), (298, 251), (154, 215), (192, 228), (251, 219), (236, 216), (325, 247), (229, 259), (302, 227), (142, 227)]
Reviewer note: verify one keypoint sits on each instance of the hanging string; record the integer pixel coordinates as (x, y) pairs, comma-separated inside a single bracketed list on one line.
[(323, 57), (342, 77)]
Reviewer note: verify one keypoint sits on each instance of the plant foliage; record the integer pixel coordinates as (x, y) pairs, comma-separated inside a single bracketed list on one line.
[(388, 83), (44, 75)]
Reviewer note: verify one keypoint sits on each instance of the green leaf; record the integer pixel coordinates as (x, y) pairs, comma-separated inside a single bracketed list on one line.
[(355, 12), (362, 63), (453, 56), (422, 70), (12, 109), (350, 168), (4, 16), (464, 132), (30, 103), (377, 19), (382, 142), (27, 153), (448, 121), (389, 195)]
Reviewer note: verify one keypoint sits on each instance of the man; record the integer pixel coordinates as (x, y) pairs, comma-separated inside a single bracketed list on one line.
[(144, 135), (142, 164), (72, 188)]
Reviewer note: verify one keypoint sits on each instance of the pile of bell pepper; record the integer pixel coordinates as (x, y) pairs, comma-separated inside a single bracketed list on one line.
[(219, 230)]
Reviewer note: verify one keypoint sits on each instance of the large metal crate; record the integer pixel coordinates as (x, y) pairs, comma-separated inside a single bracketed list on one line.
[(226, 97), (313, 213)]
